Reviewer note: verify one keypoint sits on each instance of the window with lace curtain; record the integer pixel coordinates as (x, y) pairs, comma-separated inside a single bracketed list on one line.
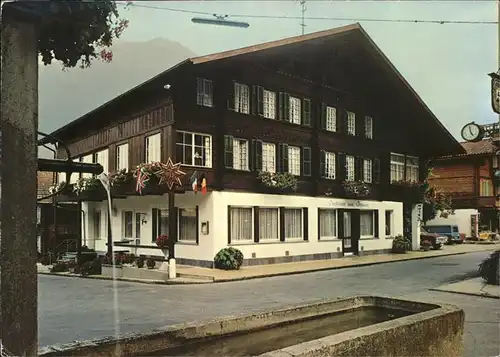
[(268, 224), (269, 104), (327, 223), (331, 118), (240, 154), (204, 94), (350, 168), (268, 157), (295, 110), (241, 98), (294, 160), (397, 167), (351, 123), (293, 223), (412, 169), (240, 224), (367, 223), (188, 224)]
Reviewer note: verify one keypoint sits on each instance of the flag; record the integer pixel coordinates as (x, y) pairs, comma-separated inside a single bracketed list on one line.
[(203, 185), (142, 178), (194, 181)]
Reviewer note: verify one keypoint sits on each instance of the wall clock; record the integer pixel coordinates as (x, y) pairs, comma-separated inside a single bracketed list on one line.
[(472, 132)]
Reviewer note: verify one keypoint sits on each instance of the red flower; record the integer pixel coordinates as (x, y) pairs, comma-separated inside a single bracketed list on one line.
[(162, 241)]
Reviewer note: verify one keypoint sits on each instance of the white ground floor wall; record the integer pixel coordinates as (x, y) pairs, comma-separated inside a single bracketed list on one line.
[(229, 219)]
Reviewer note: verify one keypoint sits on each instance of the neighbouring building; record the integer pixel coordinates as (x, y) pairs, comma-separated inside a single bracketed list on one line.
[(469, 179), (327, 109)]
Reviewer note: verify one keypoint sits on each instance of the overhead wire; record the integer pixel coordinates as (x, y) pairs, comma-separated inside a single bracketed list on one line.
[(320, 18)]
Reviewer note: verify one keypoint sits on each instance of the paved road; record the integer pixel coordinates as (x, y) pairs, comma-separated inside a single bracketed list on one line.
[(75, 309)]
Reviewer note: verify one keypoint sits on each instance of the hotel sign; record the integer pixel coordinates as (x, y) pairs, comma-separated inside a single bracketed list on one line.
[(347, 204)]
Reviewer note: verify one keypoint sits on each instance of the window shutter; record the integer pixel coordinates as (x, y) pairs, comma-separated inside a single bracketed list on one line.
[(260, 100), (282, 159), (254, 101), (197, 223), (286, 108), (228, 225), (306, 112), (281, 105), (341, 171), (306, 161), (228, 151), (343, 121), (358, 170), (375, 224), (232, 96), (282, 224), (256, 224), (199, 91), (154, 224), (305, 216), (322, 163), (376, 170), (322, 117), (257, 154)]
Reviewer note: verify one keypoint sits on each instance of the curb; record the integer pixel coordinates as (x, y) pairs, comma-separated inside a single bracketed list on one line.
[(485, 295), (150, 282)]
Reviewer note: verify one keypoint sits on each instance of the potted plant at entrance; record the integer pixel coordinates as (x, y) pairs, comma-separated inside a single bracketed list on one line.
[(400, 244), (163, 242), (426, 245)]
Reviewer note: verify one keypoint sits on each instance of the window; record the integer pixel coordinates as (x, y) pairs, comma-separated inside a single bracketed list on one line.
[(412, 169), (331, 119), (96, 223), (293, 223), (294, 160), (397, 167), (295, 110), (388, 223), (367, 223), (128, 224), (122, 157), (268, 224), (138, 222), (188, 224), (160, 222), (329, 167), (194, 149), (268, 157), (240, 154), (240, 224), (241, 98), (204, 95), (88, 159), (102, 158), (269, 104), (367, 170), (350, 168), (351, 123), (153, 148), (306, 161), (486, 188), (327, 223), (368, 127)]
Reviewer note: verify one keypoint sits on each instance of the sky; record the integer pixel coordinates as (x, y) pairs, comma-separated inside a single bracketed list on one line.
[(447, 64)]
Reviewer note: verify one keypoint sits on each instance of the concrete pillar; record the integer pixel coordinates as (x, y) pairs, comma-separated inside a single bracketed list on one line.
[(415, 227), (18, 181)]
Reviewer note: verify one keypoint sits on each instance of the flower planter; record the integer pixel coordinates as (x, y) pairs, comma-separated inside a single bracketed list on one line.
[(426, 248), (110, 270)]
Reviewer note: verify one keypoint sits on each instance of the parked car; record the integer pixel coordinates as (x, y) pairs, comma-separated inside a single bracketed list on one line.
[(448, 230), (436, 240)]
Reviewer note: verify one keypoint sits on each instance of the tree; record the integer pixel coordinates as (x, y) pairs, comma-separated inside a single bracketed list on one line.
[(78, 31), (436, 202)]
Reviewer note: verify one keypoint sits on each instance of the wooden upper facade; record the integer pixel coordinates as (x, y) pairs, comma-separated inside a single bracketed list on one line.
[(327, 107), (469, 179)]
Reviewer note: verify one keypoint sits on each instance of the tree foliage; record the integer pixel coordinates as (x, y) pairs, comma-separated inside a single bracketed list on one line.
[(436, 202), (75, 32)]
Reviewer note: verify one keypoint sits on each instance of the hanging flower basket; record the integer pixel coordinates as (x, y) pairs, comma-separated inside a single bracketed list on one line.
[(279, 182), (163, 241), (356, 188)]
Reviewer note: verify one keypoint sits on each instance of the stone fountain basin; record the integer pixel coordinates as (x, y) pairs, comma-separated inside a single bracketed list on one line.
[(356, 326)]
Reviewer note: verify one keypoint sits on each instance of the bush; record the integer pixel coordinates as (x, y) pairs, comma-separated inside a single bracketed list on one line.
[(59, 267), (139, 262), (150, 263), (228, 259), (400, 244), (91, 268), (489, 269)]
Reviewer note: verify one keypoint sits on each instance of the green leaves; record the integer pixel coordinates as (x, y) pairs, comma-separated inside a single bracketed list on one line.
[(282, 180), (228, 259)]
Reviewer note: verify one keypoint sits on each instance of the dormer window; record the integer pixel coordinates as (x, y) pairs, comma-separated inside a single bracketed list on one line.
[(204, 92)]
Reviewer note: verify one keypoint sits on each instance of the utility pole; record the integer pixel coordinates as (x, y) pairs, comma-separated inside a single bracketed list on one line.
[(303, 10)]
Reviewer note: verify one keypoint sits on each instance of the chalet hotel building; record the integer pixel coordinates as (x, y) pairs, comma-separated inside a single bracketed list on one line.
[(304, 145)]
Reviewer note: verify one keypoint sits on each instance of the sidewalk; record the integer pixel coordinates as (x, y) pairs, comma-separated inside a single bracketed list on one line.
[(262, 271), (474, 287)]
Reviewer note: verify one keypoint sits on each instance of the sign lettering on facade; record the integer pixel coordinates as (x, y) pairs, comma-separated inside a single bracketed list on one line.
[(347, 204), (420, 211)]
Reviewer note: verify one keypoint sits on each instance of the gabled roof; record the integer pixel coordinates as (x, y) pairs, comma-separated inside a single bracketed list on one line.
[(447, 143)]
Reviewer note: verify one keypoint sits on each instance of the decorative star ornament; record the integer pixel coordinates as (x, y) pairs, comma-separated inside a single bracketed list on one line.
[(170, 174)]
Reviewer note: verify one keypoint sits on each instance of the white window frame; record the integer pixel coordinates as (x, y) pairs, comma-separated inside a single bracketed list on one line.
[(295, 110), (241, 98), (331, 119), (102, 157), (239, 241), (322, 223), (152, 148), (351, 123), (122, 157), (269, 104), (330, 165), (373, 224), (136, 226), (350, 165), (268, 157), (124, 224), (180, 230), (276, 211), (240, 154), (397, 167), (207, 145), (368, 127), (301, 237), (367, 170), (205, 97), (294, 160), (409, 166)]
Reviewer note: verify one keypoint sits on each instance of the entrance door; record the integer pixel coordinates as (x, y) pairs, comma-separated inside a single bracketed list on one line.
[(349, 231)]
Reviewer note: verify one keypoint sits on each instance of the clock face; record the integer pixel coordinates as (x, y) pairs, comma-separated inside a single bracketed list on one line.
[(471, 132)]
